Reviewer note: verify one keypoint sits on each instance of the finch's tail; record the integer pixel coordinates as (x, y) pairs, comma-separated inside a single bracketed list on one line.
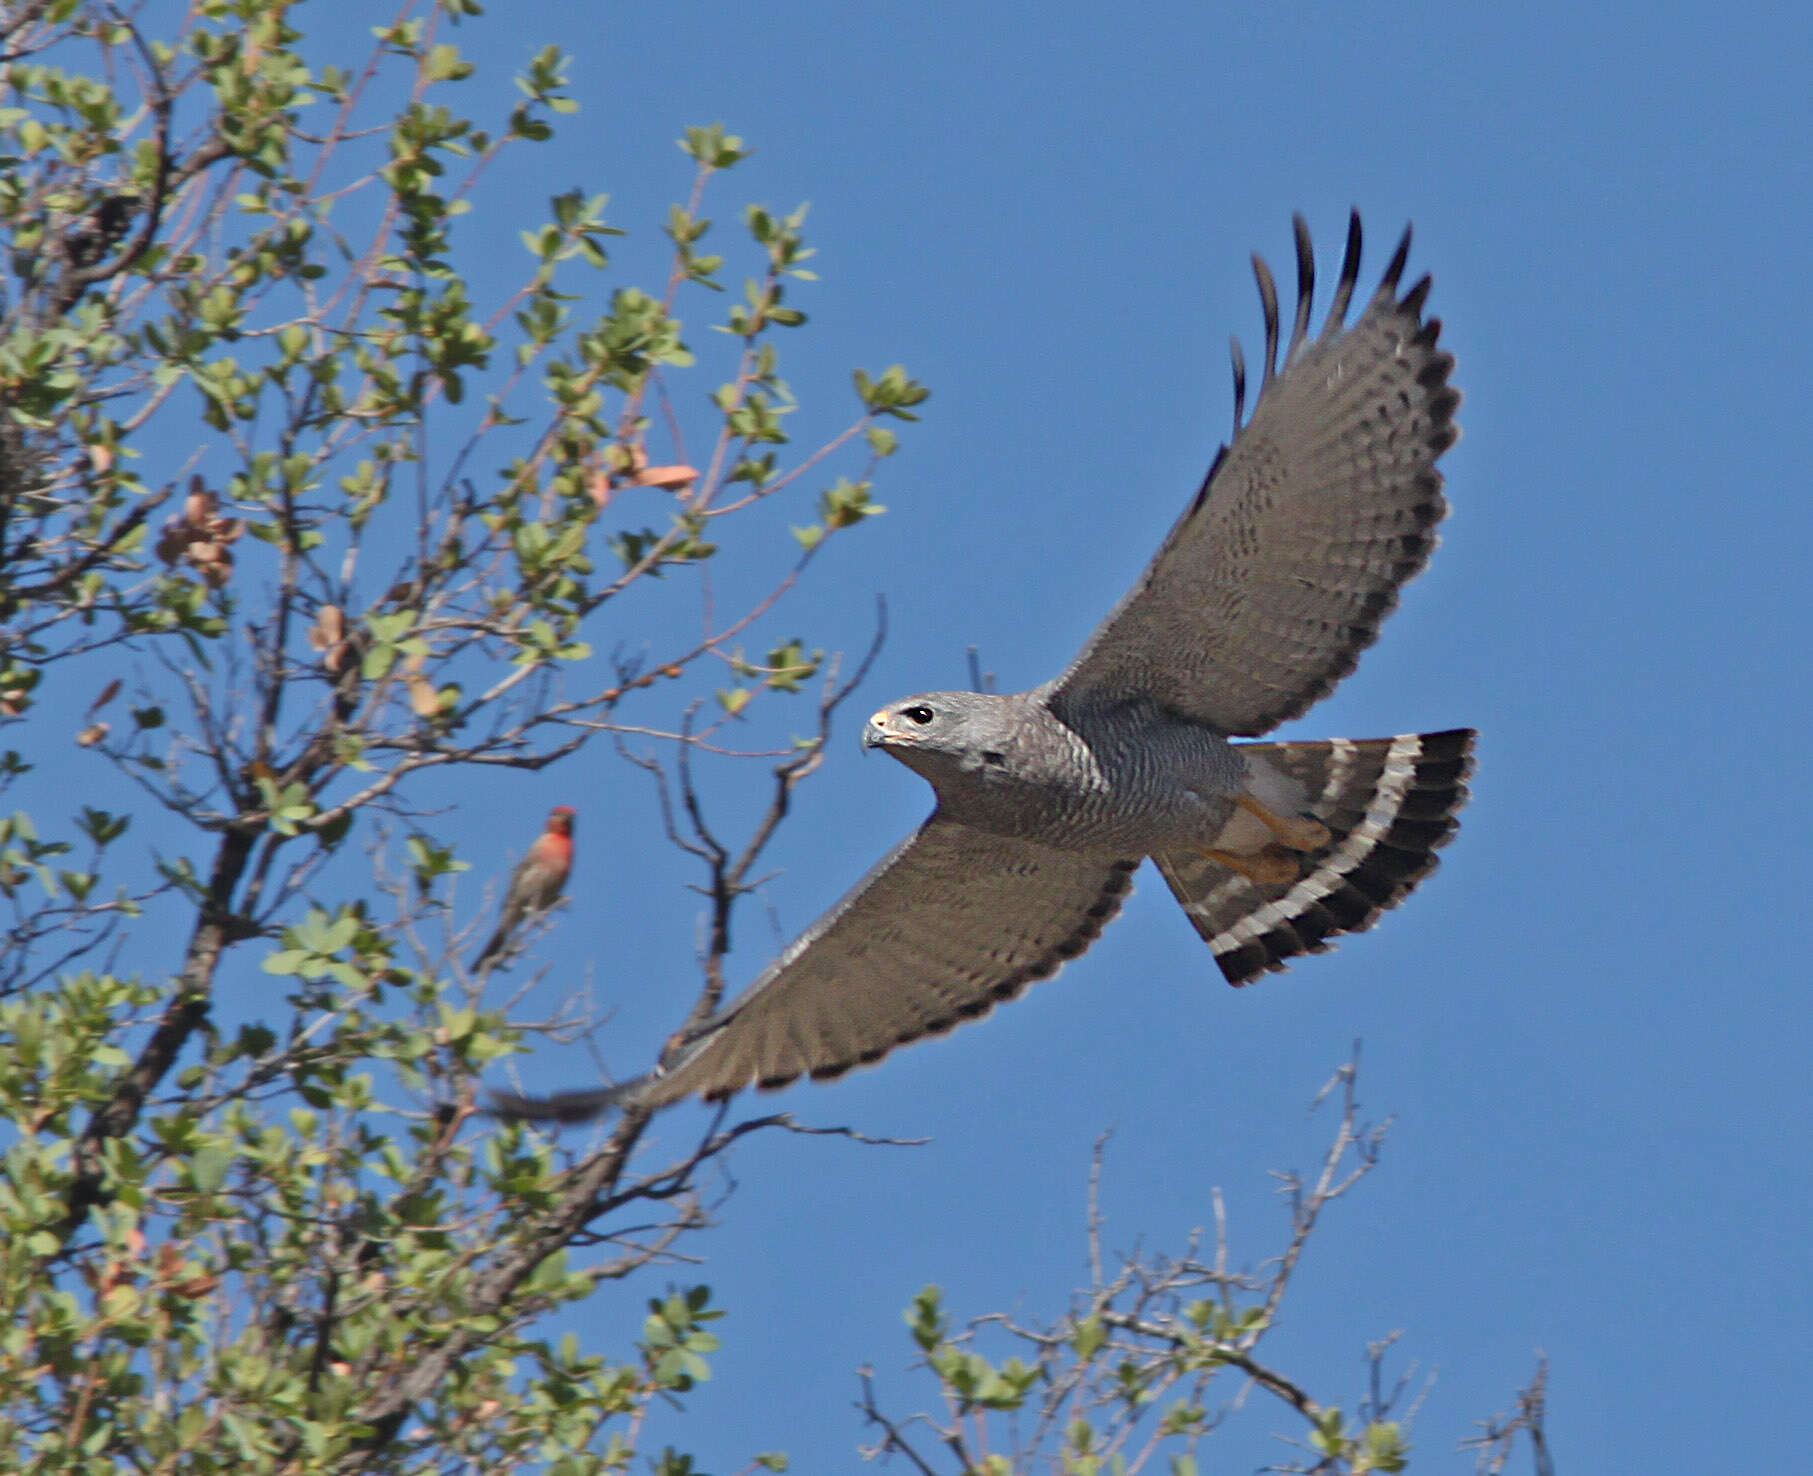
[(507, 923), (1389, 805), (491, 950)]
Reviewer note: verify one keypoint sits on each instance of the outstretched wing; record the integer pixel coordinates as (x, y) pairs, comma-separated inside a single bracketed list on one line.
[(1280, 572), (950, 924)]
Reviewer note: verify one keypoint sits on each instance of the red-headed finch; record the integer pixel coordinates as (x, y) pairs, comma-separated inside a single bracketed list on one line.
[(540, 878)]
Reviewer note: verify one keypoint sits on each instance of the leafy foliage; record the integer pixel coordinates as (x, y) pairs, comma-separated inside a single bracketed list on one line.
[(247, 402)]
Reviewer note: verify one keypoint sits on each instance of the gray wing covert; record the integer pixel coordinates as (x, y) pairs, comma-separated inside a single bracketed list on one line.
[(950, 924), (1280, 572)]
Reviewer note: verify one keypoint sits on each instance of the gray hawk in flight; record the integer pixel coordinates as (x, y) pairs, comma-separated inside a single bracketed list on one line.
[(1270, 585)]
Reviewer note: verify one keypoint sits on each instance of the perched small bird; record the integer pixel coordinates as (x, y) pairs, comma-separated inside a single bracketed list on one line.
[(540, 878)]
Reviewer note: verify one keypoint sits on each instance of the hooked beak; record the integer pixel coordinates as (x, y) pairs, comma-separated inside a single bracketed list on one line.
[(875, 731)]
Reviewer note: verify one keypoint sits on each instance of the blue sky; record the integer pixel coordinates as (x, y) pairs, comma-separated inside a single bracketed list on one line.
[(1593, 1026)]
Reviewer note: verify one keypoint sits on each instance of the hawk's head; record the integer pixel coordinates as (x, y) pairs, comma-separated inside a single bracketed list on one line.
[(949, 736)]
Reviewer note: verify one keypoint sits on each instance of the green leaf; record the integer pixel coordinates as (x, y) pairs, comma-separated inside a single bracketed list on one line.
[(713, 147), (207, 1168), (444, 64), (892, 393), (925, 1317), (1383, 1448)]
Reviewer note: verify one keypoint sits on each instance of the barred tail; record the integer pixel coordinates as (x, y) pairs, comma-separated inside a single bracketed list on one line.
[(1389, 804)]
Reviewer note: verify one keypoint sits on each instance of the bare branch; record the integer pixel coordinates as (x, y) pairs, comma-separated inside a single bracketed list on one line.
[(1498, 1437)]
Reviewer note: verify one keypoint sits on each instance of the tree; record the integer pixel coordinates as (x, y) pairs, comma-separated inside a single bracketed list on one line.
[(1156, 1353), (291, 520)]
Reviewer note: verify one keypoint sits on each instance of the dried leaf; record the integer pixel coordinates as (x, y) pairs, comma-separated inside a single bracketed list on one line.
[(100, 457), (671, 478), (424, 701), (328, 629), (172, 541), (92, 735), (200, 505), (108, 693)]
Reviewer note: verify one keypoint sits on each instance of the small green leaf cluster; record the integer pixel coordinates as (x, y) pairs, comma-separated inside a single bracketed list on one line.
[(844, 504), (713, 147), (781, 237), (646, 551), (686, 230), (1220, 1323), (674, 1340), (1135, 1369), (970, 1381), (1377, 1446), (895, 393), (311, 949), (25, 857), (787, 669)]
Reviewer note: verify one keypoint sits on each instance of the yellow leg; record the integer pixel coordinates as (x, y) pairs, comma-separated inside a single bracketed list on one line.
[(1271, 867), (1299, 835)]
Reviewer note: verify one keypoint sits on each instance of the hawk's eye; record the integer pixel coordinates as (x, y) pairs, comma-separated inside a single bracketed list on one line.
[(920, 714)]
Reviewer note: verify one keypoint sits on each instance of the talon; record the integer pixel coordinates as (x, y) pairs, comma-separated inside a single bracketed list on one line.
[(1299, 834), (1307, 835), (1272, 867)]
